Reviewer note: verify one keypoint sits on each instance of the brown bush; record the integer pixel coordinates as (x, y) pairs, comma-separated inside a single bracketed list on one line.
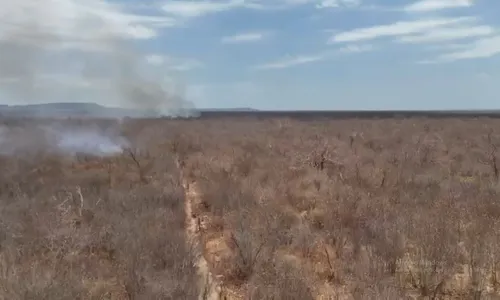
[(399, 205), (344, 209), (69, 231)]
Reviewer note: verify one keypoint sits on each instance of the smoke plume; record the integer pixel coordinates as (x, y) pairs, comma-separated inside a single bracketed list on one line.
[(89, 141), (60, 139), (81, 50)]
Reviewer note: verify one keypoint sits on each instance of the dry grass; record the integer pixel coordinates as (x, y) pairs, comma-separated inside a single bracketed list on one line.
[(351, 209), (355, 209), (90, 228)]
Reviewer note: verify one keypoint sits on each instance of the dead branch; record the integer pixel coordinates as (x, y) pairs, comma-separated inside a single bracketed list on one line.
[(493, 155), (140, 169)]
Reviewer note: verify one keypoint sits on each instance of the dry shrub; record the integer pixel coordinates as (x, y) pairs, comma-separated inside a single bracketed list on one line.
[(68, 232), (278, 280), (380, 209), (405, 206)]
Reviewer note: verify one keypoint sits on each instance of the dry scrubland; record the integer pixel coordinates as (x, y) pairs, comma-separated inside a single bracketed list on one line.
[(279, 209)]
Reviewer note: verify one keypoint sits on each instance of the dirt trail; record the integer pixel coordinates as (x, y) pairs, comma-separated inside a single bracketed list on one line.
[(209, 285), (209, 288)]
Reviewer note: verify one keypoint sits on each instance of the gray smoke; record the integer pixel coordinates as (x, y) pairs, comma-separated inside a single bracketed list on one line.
[(81, 50), (89, 141), (58, 139)]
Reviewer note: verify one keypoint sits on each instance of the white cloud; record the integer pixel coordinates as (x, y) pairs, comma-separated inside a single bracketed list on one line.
[(186, 65), (278, 4), (356, 48), (291, 61), (448, 34), (433, 5), (481, 48), (443, 47), (243, 38), (186, 9), (191, 9), (173, 63), (155, 59), (476, 40), (483, 76), (321, 3), (338, 3), (73, 23), (396, 29)]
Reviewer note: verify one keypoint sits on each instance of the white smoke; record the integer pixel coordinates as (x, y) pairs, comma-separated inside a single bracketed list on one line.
[(59, 139), (90, 142), (52, 50), (3, 132)]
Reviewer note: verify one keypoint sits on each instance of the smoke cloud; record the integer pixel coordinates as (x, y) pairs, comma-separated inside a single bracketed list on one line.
[(61, 139), (90, 142), (81, 50)]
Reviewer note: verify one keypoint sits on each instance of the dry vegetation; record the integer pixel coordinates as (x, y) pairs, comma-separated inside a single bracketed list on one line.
[(94, 228), (283, 209)]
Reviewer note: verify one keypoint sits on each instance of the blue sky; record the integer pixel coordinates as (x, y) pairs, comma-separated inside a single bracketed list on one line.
[(315, 54)]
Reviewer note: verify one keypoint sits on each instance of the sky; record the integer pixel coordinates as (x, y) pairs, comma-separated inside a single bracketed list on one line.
[(267, 54)]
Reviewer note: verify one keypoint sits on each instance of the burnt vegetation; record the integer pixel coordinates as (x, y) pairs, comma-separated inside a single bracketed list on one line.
[(287, 209)]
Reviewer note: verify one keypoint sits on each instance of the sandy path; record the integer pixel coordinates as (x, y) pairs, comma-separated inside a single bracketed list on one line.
[(208, 287)]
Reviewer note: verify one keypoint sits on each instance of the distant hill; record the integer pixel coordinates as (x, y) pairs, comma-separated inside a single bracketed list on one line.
[(93, 110), (66, 109), (236, 109), (56, 110)]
